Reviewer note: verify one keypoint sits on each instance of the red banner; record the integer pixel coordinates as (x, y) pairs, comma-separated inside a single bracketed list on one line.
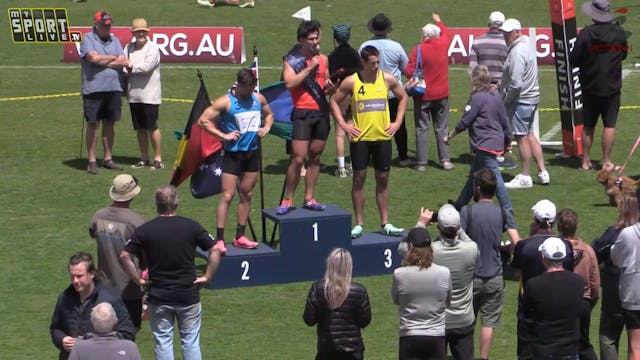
[(462, 38), (181, 44)]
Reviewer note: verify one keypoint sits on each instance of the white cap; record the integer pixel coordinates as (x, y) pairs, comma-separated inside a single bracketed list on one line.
[(544, 211), (510, 25), (553, 248), (448, 217), (496, 17)]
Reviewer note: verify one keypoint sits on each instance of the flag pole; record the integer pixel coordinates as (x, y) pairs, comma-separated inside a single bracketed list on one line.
[(260, 174)]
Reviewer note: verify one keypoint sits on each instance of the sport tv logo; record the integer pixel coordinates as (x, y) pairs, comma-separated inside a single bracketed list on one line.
[(41, 26)]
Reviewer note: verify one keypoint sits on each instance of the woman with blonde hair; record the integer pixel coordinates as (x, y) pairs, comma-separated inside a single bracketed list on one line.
[(624, 255), (422, 291), (486, 118), (611, 313), (340, 308)]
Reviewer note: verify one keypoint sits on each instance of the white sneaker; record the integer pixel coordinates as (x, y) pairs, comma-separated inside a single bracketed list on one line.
[(543, 177), (520, 182)]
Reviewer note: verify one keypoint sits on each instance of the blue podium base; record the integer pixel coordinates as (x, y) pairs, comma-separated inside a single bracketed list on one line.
[(375, 253), (306, 237)]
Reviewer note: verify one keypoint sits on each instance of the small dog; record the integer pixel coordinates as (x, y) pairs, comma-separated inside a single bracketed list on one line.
[(615, 184)]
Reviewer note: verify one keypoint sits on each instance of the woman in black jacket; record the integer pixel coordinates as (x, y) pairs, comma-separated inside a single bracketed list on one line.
[(340, 308)]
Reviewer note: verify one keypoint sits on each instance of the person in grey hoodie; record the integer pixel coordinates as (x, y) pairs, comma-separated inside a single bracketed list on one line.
[(624, 254), (521, 94)]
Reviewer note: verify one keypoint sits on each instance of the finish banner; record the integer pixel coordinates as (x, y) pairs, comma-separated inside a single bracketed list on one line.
[(563, 26), (180, 44)]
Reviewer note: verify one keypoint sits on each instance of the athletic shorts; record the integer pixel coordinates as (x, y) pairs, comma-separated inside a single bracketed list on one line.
[(144, 116), (488, 296), (379, 151), (521, 117), (631, 319), (605, 106), (238, 162), (310, 125), (102, 106)]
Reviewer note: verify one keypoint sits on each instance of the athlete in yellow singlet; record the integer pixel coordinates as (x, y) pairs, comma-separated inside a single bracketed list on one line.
[(371, 131)]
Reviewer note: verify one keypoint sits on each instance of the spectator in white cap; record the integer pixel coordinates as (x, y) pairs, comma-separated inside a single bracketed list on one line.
[(521, 94), (111, 227), (454, 250), (553, 301), (490, 49), (528, 264), (598, 51)]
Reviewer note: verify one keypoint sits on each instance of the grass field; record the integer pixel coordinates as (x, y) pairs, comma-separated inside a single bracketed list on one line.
[(48, 200)]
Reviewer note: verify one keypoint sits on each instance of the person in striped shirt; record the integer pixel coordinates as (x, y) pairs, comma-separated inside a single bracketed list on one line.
[(490, 49)]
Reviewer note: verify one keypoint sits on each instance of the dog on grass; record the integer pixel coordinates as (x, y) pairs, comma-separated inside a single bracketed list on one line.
[(615, 184)]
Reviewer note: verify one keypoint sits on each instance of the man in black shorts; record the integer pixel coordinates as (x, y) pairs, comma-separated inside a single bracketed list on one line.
[(101, 67), (306, 74), (371, 131), (599, 51), (236, 119)]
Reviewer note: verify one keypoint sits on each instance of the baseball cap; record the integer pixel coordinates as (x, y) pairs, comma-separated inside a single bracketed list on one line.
[(124, 188), (448, 217), (103, 17), (510, 25), (544, 211), (419, 237), (553, 248), (496, 18)]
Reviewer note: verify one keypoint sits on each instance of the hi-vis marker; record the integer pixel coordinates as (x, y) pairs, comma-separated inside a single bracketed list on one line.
[(41, 26)]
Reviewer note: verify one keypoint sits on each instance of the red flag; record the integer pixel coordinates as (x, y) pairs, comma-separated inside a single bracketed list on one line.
[(195, 144)]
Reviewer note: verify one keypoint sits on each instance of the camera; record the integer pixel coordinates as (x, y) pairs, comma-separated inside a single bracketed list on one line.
[(434, 217)]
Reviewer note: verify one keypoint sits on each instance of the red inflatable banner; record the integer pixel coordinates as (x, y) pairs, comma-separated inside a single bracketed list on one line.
[(181, 44), (226, 45)]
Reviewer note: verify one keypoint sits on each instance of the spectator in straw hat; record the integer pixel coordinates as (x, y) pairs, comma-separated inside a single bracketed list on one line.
[(393, 59), (144, 92), (344, 60), (111, 227), (101, 68), (599, 51)]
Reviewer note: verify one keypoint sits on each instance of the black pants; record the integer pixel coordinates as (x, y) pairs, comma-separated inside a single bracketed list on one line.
[(340, 356), (422, 348), (400, 135), (460, 342), (586, 349)]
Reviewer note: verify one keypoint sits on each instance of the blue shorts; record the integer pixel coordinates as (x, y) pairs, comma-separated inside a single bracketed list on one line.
[(521, 117)]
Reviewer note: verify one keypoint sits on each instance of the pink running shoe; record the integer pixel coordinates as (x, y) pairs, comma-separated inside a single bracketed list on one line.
[(220, 246), (244, 243)]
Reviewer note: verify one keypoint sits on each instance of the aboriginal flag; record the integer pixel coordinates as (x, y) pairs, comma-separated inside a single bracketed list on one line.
[(196, 145)]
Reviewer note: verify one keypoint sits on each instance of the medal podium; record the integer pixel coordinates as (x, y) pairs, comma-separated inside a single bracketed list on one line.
[(305, 239)]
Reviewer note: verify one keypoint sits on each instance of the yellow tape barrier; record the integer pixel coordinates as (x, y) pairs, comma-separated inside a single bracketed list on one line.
[(53, 96)]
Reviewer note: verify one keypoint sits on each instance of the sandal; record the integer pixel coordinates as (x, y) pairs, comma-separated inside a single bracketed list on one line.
[(140, 164)]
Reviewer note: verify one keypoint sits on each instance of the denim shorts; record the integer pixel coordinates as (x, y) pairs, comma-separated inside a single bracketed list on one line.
[(521, 117)]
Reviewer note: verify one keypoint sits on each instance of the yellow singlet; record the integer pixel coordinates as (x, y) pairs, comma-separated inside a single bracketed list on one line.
[(370, 108)]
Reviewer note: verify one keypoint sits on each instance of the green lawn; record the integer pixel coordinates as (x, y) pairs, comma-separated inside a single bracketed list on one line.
[(48, 200)]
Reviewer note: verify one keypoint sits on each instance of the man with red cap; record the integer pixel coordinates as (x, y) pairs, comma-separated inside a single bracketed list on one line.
[(101, 68)]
